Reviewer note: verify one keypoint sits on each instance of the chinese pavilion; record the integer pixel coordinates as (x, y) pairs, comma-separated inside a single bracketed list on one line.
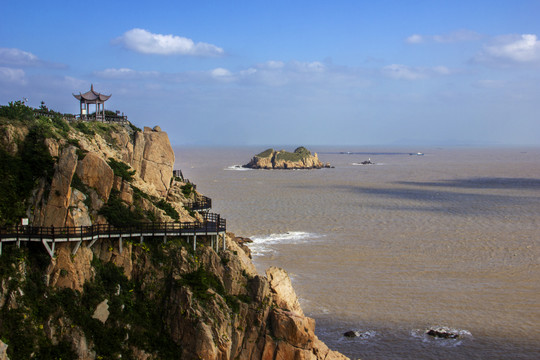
[(92, 97)]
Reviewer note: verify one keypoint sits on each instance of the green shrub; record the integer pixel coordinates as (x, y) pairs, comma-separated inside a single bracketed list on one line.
[(17, 111), (200, 281), (118, 214), (187, 189), (169, 209), (20, 174), (121, 169), (266, 153), (61, 125), (298, 154), (84, 128)]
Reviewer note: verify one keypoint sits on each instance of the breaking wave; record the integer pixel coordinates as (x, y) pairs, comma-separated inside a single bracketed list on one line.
[(237, 168), (263, 244)]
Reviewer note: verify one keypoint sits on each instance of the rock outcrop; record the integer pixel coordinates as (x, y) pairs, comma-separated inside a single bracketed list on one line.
[(151, 300), (301, 158), (153, 158)]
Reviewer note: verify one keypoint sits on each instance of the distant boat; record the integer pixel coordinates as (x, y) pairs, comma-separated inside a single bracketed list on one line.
[(417, 154)]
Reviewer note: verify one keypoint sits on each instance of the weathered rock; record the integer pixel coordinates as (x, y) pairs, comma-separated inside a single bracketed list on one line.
[(442, 333), (60, 195), (295, 329), (10, 138), (78, 214), (153, 159), (301, 158), (3, 351), (102, 311), (67, 271), (95, 172), (351, 334), (283, 293)]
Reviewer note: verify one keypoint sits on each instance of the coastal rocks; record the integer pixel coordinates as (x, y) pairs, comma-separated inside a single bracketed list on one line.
[(102, 311), (3, 351), (301, 158), (442, 333), (283, 293), (68, 271), (96, 173), (153, 158), (54, 213), (11, 137)]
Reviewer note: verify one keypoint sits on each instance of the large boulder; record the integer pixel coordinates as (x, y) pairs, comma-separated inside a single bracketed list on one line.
[(54, 213), (153, 159), (283, 292), (301, 158), (96, 173)]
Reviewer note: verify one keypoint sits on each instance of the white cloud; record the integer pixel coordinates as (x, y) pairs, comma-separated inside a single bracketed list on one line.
[(398, 71), (523, 48), (490, 84), (13, 76), (145, 42), (452, 37), (404, 72), (21, 58), (124, 73), (415, 39), (220, 72)]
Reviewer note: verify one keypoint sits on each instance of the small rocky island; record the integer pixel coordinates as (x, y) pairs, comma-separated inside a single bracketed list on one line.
[(301, 158)]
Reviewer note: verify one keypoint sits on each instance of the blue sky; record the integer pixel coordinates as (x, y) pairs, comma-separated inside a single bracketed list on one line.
[(287, 72)]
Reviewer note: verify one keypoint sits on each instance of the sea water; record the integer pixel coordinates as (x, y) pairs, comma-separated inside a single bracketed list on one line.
[(446, 238)]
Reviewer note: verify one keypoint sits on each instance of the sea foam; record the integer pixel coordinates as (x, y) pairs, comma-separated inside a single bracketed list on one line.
[(263, 244)]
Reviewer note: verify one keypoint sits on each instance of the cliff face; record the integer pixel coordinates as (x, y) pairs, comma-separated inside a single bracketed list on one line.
[(301, 158), (151, 300)]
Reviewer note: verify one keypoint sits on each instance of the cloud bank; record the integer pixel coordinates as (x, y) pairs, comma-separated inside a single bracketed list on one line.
[(145, 42), (452, 37), (522, 49), (20, 58)]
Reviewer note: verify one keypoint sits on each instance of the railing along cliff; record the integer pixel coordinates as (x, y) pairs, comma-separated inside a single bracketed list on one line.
[(213, 226), (201, 204)]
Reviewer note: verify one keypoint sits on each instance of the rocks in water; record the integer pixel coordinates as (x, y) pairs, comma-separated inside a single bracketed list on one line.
[(301, 158), (358, 334), (443, 333)]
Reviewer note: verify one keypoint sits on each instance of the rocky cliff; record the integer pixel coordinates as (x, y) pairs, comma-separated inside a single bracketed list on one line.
[(301, 158), (151, 300)]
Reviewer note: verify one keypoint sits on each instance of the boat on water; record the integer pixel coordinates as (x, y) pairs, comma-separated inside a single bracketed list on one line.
[(417, 154)]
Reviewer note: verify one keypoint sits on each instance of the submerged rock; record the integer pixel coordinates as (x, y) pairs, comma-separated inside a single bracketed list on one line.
[(443, 333)]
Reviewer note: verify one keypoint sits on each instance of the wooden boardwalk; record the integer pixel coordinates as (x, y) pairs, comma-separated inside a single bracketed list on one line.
[(213, 226)]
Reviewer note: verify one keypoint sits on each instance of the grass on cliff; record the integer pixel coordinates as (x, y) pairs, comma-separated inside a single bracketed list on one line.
[(134, 319), (266, 153), (299, 154), (21, 172)]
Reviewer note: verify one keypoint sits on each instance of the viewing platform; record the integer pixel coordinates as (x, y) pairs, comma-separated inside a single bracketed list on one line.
[(213, 226)]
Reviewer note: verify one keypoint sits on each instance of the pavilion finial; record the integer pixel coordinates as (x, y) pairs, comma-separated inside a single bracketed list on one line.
[(91, 87)]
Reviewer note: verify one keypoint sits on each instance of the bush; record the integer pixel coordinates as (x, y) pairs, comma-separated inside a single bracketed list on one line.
[(20, 174), (17, 111), (84, 128), (121, 169), (118, 214), (169, 209), (266, 153), (187, 189)]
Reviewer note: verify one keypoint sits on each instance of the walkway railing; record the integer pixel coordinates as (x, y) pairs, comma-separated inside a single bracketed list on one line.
[(201, 204), (213, 225)]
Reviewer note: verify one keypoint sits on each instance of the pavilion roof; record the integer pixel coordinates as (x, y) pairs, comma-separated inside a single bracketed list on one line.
[(92, 95)]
